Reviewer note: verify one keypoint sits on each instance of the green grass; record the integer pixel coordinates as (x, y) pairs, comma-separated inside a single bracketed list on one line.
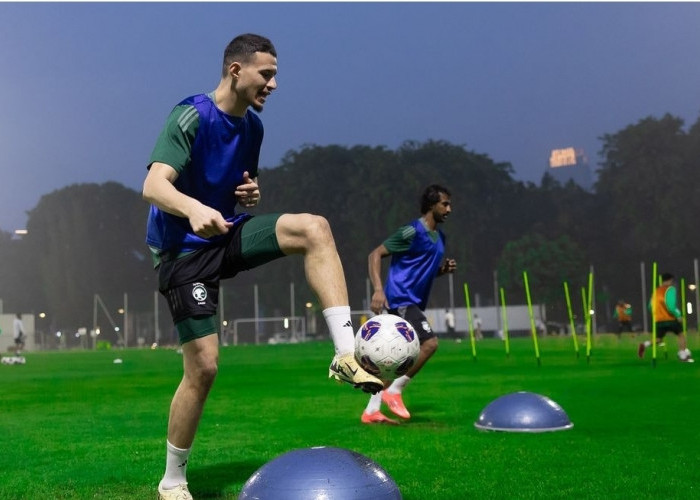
[(77, 426)]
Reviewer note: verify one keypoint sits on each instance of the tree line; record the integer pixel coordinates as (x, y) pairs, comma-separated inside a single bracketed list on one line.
[(88, 239)]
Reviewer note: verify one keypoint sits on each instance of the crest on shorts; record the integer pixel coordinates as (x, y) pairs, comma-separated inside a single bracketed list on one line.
[(199, 292)]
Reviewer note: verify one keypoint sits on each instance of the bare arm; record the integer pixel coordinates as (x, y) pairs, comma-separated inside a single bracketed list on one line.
[(159, 190), (375, 277)]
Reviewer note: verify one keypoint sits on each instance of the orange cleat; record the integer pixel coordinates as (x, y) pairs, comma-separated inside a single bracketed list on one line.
[(395, 404), (377, 418)]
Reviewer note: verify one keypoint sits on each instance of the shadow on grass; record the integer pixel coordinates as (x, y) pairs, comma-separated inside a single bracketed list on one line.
[(211, 481)]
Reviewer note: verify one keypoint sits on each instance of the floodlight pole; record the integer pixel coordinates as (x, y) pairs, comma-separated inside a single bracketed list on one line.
[(156, 318), (293, 334), (126, 314), (94, 321), (256, 314), (222, 314), (368, 295), (495, 300)]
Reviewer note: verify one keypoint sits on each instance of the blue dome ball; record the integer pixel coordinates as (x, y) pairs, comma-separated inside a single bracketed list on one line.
[(523, 412), (320, 473)]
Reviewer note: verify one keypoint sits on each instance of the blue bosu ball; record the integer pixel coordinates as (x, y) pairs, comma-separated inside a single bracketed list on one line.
[(523, 412), (320, 473)]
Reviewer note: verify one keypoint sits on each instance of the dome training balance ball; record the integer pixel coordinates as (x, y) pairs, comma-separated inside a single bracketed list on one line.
[(320, 473), (523, 412)]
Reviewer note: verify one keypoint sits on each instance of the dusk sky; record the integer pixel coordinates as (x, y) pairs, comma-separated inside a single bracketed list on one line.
[(88, 86)]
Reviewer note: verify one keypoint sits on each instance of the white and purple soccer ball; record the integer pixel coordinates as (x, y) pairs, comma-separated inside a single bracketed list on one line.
[(386, 346)]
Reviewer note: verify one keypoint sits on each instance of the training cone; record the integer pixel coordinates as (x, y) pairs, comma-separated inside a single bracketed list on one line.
[(523, 412), (320, 473)]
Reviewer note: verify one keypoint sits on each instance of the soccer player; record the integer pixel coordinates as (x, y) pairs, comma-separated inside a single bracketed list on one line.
[(667, 318), (19, 336), (204, 163), (623, 315), (417, 257)]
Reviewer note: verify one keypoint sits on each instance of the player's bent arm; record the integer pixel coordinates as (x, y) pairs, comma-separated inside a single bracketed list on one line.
[(374, 262), (159, 190)]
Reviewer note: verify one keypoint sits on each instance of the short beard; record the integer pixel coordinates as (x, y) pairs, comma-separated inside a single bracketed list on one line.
[(254, 105)]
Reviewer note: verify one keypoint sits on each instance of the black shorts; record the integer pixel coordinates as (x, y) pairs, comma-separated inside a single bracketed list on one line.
[(190, 283), (413, 314), (664, 327)]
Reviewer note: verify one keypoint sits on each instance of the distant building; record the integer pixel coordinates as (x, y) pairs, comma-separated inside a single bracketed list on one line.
[(570, 164)]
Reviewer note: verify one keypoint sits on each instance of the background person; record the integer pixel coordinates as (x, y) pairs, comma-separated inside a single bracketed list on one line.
[(623, 315), (417, 257), (18, 333), (478, 335), (450, 322), (204, 164), (667, 318)]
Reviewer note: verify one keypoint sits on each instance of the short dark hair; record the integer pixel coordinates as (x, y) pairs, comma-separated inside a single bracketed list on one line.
[(666, 276), (243, 47), (431, 195)]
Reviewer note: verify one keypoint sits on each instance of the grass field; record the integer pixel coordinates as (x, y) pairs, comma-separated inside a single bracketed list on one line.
[(77, 426)]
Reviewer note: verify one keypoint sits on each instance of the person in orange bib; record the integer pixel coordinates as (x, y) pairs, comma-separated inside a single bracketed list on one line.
[(667, 318), (623, 315)]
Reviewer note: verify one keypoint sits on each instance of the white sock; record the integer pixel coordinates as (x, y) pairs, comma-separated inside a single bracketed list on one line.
[(175, 467), (340, 326), (399, 384), (375, 403)]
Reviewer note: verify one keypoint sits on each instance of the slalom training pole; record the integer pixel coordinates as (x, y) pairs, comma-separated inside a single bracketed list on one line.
[(469, 321), (504, 315), (662, 344), (532, 318), (653, 320), (571, 317), (585, 309), (589, 320)]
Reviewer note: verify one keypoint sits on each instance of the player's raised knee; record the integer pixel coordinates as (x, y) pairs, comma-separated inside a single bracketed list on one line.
[(310, 227)]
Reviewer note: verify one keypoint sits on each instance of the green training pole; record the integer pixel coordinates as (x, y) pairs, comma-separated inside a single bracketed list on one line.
[(571, 317), (469, 321), (585, 309), (662, 344), (653, 316), (504, 315), (585, 312), (532, 318), (589, 319)]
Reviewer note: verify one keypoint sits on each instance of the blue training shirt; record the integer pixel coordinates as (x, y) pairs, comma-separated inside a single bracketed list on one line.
[(411, 272), (210, 151)]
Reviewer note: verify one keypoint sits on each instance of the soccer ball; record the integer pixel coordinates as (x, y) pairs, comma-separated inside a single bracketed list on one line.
[(386, 346)]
